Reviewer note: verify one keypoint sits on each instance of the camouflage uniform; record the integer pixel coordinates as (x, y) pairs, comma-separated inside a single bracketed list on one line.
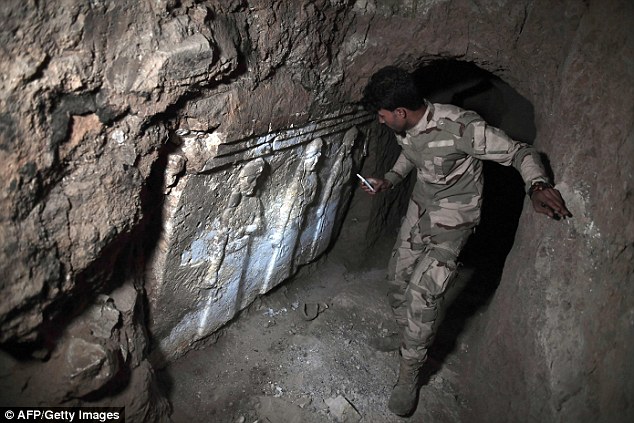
[(446, 148)]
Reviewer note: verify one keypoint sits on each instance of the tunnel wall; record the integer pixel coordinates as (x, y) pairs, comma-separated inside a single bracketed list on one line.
[(554, 341), (97, 96)]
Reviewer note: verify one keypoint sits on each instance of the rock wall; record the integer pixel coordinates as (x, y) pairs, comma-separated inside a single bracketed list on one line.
[(561, 320), (114, 114)]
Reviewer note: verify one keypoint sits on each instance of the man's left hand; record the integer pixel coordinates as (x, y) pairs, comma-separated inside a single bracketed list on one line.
[(549, 202)]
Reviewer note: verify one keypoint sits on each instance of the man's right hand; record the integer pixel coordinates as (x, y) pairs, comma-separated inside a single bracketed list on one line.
[(378, 184)]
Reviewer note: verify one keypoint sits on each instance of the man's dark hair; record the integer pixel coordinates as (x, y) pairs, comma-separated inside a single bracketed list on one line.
[(389, 88)]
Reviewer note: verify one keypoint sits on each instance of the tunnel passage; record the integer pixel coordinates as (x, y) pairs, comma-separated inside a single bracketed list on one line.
[(212, 266), (354, 292)]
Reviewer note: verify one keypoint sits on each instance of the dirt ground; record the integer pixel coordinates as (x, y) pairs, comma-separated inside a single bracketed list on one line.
[(271, 365)]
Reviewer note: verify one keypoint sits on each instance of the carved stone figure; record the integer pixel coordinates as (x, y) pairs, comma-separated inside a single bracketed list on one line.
[(299, 196), (330, 198), (230, 245)]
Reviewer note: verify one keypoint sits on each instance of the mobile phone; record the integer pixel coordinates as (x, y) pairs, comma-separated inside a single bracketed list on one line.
[(365, 182)]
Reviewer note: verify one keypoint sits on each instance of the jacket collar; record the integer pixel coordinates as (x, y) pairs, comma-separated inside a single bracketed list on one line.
[(423, 123)]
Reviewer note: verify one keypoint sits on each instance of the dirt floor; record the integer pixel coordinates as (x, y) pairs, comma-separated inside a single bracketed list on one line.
[(271, 365)]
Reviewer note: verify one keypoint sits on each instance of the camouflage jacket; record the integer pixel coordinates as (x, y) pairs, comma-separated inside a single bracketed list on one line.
[(446, 148)]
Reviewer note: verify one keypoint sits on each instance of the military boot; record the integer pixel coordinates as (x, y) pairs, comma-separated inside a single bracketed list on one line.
[(404, 396)]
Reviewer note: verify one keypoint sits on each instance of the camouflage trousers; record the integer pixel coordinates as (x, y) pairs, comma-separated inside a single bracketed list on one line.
[(422, 267)]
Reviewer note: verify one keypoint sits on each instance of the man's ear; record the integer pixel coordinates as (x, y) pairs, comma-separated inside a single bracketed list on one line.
[(401, 112)]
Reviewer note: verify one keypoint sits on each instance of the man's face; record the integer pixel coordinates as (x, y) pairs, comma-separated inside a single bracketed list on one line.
[(394, 120)]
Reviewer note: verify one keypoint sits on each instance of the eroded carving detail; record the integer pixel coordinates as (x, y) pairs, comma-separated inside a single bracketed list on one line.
[(231, 243), (292, 213), (330, 198)]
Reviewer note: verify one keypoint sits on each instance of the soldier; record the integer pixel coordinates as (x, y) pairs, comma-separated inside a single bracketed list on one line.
[(445, 145)]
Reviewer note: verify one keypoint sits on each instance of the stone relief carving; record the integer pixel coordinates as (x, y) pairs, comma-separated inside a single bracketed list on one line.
[(241, 219), (292, 211), (330, 199), (238, 227)]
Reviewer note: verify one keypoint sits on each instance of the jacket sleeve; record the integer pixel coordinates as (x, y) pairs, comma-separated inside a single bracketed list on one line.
[(486, 142), (400, 170)]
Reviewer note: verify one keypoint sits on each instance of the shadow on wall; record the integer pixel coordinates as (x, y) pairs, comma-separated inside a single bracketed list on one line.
[(470, 87)]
